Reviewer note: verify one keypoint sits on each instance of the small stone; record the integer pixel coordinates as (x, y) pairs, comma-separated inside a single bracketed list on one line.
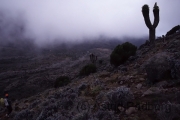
[(136, 66), (121, 109), (141, 79), (139, 86), (130, 110), (121, 82)]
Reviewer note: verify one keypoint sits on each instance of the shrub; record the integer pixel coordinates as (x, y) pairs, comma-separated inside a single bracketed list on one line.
[(86, 70), (121, 53), (48, 111), (62, 81), (24, 114), (173, 30), (120, 96)]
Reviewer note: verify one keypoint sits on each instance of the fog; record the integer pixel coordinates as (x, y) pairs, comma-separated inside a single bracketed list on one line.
[(47, 21)]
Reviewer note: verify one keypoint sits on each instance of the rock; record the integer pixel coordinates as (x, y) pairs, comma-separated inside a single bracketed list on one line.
[(151, 91), (131, 110), (161, 84), (158, 67), (136, 66), (139, 86), (121, 82), (124, 78), (121, 109), (141, 79), (83, 86)]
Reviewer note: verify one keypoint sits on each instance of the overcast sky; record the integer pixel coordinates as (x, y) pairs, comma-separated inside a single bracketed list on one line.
[(78, 19)]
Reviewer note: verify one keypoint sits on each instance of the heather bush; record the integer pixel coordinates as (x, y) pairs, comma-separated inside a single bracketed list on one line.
[(67, 99), (24, 115), (88, 69), (62, 81), (121, 53), (48, 111), (120, 96)]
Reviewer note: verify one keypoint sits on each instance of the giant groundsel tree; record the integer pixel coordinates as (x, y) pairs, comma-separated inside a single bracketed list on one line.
[(151, 27)]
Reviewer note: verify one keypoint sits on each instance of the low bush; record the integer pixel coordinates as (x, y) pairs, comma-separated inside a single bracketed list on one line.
[(120, 96), (88, 69), (121, 53), (62, 81)]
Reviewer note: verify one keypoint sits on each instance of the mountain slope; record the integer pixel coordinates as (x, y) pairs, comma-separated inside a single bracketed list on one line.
[(94, 96)]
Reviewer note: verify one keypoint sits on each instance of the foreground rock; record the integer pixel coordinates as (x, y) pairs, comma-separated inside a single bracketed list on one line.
[(158, 67)]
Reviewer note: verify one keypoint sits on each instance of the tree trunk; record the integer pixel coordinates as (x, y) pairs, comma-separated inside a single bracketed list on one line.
[(152, 35)]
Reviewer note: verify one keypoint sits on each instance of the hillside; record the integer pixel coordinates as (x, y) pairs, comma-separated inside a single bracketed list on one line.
[(25, 67), (94, 97)]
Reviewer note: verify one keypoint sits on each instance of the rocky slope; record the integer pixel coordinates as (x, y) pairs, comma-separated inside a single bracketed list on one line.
[(145, 87)]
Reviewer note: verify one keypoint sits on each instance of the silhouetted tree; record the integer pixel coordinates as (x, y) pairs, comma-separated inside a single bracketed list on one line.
[(152, 28)]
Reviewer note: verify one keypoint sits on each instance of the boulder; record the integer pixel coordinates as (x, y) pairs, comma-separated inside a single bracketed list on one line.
[(158, 67)]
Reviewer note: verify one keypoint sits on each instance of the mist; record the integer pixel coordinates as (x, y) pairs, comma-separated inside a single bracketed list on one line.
[(51, 21)]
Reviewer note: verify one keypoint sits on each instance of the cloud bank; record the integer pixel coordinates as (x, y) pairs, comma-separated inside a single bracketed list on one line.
[(73, 20)]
